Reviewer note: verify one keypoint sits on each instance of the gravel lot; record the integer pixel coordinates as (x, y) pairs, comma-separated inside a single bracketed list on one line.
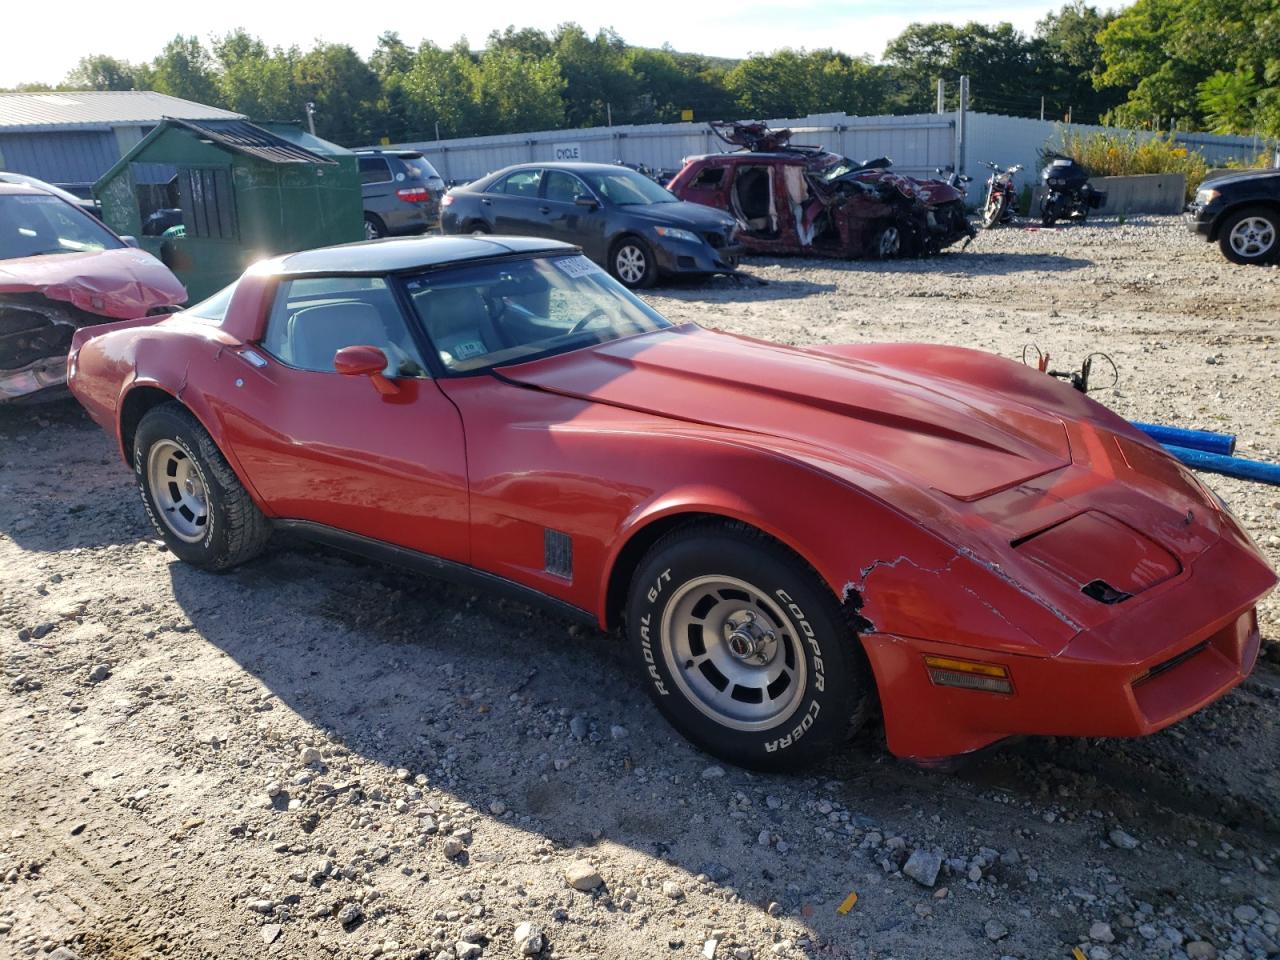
[(317, 757)]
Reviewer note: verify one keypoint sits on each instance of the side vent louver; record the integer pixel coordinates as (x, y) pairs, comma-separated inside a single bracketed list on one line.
[(559, 553)]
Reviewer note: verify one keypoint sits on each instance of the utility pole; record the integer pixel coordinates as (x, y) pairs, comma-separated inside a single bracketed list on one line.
[(311, 117), (608, 112), (1042, 109), (437, 131), (942, 95), (1069, 116), (962, 124)]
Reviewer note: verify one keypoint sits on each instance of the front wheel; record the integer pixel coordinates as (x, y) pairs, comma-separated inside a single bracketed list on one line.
[(744, 649), (633, 264), (991, 214), (192, 496), (1250, 236)]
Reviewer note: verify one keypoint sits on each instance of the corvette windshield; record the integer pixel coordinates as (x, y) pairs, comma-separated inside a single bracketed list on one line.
[(497, 313)]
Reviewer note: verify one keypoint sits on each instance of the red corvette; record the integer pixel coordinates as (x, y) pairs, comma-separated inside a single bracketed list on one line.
[(785, 535)]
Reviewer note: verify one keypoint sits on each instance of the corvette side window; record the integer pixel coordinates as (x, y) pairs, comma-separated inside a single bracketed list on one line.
[(315, 317)]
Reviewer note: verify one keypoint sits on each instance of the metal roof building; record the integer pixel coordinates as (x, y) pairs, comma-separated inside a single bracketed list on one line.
[(71, 138)]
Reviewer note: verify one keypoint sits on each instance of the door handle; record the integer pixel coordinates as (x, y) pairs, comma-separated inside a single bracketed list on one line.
[(486, 201), (544, 209)]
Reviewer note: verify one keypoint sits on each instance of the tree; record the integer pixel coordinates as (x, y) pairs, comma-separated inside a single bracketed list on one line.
[(256, 81), (185, 69), (437, 90), (1069, 62), (102, 72), (343, 88), (510, 91), (997, 59), (391, 61), (794, 83), (599, 85), (1214, 62)]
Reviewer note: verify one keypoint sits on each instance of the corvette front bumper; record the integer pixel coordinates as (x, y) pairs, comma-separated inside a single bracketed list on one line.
[(1173, 653)]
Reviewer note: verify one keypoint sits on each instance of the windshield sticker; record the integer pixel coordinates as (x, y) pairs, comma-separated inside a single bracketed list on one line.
[(577, 266)]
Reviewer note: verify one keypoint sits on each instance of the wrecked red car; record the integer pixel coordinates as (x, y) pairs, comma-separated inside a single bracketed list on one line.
[(61, 270), (792, 199), (783, 535)]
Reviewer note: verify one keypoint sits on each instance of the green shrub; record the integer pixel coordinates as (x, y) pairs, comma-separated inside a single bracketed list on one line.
[(1126, 155)]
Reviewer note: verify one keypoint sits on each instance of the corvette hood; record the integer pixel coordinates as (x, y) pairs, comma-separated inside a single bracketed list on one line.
[(121, 283), (965, 443)]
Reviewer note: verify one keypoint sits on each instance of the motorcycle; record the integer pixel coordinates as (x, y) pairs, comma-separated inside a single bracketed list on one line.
[(953, 178), (1001, 203), (1067, 192)]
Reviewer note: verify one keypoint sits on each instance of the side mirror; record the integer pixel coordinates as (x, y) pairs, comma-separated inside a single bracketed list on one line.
[(363, 360), (588, 202), (130, 241)]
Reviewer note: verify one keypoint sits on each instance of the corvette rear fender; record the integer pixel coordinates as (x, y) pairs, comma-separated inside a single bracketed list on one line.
[(157, 380)]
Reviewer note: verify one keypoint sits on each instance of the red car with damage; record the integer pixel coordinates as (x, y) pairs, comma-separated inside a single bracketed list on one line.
[(784, 535), (791, 199), (60, 270)]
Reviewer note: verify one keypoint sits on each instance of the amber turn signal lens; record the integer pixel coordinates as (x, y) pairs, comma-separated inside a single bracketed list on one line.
[(968, 674)]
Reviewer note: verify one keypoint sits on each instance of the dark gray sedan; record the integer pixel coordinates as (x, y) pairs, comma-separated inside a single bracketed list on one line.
[(622, 220)]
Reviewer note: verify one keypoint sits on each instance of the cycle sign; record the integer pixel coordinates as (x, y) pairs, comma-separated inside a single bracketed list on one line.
[(567, 151)]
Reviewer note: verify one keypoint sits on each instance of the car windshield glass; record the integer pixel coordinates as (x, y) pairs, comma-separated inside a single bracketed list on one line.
[(32, 225), (626, 187), (498, 313)]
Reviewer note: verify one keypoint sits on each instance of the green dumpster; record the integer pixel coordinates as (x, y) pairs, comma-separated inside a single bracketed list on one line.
[(211, 197)]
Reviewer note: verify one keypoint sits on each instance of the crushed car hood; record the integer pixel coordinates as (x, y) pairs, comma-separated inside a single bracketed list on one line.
[(966, 444), (121, 284)]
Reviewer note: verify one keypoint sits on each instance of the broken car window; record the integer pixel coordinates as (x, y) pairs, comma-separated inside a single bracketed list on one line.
[(32, 225)]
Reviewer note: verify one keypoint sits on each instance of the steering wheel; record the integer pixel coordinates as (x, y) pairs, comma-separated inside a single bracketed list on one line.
[(581, 325)]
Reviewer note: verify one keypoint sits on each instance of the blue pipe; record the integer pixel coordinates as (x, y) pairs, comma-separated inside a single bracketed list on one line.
[(1206, 440), (1237, 467)]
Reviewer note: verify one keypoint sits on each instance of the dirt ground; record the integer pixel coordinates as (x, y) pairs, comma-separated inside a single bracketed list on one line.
[(317, 757)]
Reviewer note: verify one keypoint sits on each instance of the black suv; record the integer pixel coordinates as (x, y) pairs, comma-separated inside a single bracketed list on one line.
[(1242, 212), (401, 192)]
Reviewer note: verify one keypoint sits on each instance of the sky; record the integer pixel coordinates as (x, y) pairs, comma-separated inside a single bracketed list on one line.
[(730, 28)]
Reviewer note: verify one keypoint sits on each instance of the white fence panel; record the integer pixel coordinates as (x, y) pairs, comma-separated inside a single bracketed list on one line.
[(918, 144)]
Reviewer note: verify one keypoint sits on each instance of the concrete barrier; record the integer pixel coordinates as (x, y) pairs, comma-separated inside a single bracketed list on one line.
[(1145, 193)]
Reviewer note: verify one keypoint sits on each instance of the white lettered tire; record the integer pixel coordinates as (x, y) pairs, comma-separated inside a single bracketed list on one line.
[(744, 649), (193, 498)]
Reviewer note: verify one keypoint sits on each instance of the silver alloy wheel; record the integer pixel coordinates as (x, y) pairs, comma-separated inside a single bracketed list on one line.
[(370, 230), (178, 489), (1252, 237), (890, 242), (733, 653), (631, 263)]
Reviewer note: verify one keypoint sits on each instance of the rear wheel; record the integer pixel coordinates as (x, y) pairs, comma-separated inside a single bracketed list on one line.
[(633, 264), (373, 227), (886, 243), (477, 228), (744, 649), (192, 496), (1251, 235)]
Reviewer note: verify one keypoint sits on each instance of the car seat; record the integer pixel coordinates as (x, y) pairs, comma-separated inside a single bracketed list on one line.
[(317, 332), (458, 323)]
